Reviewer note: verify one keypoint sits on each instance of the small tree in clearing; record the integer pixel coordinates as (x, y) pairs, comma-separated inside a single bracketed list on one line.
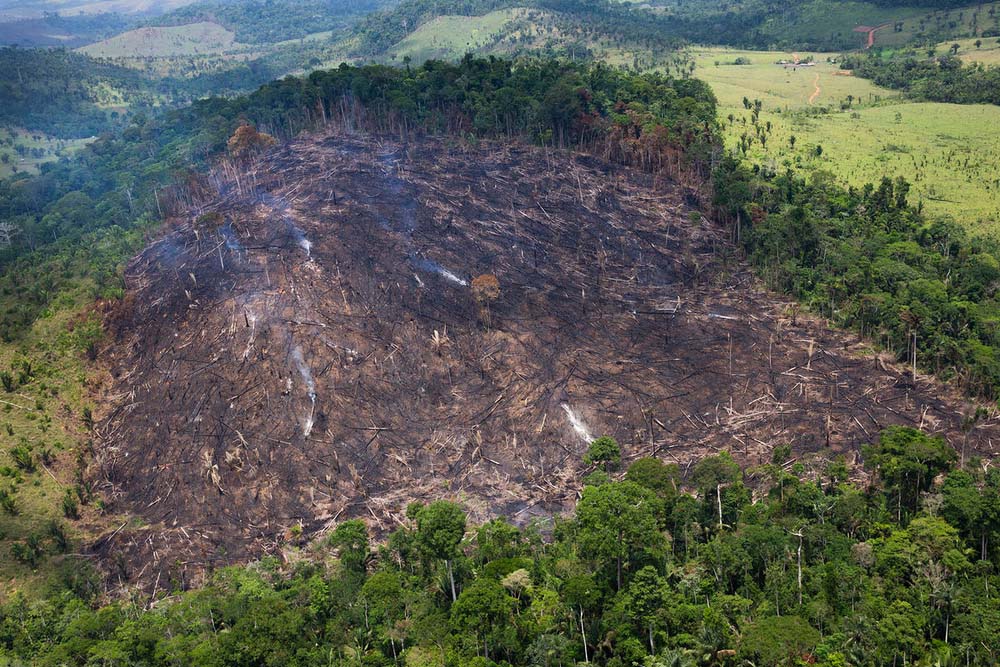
[(485, 290), (246, 140), (604, 451)]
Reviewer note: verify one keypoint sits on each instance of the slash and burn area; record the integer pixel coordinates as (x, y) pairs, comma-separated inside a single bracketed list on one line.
[(352, 324)]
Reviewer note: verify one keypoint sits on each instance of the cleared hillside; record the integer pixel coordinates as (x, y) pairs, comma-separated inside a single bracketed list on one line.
[(316, 351), (155, 42)]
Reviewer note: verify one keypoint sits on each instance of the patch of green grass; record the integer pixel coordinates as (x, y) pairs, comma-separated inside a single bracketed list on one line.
[(987, 53), (949, 153), (25, 151), (43, 435), (450, 37)]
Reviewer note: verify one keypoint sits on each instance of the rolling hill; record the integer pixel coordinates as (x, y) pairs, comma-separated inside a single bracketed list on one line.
[(314, 342)]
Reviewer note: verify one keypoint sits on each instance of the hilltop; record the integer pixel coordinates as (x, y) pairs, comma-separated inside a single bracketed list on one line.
[(307, 345)]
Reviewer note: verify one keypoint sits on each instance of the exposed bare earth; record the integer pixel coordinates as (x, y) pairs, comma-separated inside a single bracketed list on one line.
[(261, 382)]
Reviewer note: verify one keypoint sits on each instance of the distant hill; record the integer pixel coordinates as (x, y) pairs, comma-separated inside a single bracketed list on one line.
[(62, 93), (817, 25), (55, 30), (270, 21), (187, 40)]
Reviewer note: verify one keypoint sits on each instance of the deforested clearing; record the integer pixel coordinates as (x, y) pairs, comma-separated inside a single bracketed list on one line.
[(306, 344)]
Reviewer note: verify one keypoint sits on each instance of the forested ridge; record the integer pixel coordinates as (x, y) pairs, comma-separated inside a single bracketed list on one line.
[(70, 95), (63, 93), (651, 570)]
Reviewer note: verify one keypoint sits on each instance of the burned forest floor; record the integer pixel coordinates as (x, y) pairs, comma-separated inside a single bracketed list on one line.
[(308, 346)]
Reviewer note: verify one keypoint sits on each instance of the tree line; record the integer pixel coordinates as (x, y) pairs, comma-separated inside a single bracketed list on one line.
[(651, 569), (936, 79), (80, 219)]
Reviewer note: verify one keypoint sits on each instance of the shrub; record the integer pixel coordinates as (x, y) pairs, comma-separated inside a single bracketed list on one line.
[(70, 508), (27, 552), (7, 502), (60, 540), (23, 458), (604, 451)]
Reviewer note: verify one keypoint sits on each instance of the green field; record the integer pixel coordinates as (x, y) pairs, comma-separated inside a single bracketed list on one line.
[(987, 53), (22, 151), (449, 37), (950, 153)]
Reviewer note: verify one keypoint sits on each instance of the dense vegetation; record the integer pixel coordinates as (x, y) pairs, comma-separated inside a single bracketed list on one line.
[(62, 93), (866, 259), (815, 572), (943, 79), (54, 29)]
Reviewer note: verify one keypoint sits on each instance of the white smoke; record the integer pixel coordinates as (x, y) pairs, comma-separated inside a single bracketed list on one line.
[(306, 245), (578, 424), (307, 378), (434, 267)]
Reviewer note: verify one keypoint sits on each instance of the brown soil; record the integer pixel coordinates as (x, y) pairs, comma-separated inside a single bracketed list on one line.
[(618, 315)]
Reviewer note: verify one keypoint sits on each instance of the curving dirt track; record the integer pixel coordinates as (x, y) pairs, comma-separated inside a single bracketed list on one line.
[(320, 355), (817, 91)]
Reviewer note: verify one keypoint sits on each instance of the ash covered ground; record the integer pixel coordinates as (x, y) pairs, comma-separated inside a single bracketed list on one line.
[(316, 353)]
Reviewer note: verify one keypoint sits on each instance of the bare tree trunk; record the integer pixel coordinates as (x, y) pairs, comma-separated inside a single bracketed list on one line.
[(718, 495), (451, 579), (799, 534), (583, 633)]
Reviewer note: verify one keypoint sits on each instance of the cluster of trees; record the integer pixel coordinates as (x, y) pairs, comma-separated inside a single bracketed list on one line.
[(941, 79), (650, 571)]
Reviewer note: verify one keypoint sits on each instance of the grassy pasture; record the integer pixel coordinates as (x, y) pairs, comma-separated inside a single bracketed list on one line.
[(449, 37), (987, 53), (949, 153), (160, 42), (941, 24), (37, 149), (817, 21)]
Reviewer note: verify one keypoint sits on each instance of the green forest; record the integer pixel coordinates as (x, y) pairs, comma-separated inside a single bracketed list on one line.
[(819, 572)]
